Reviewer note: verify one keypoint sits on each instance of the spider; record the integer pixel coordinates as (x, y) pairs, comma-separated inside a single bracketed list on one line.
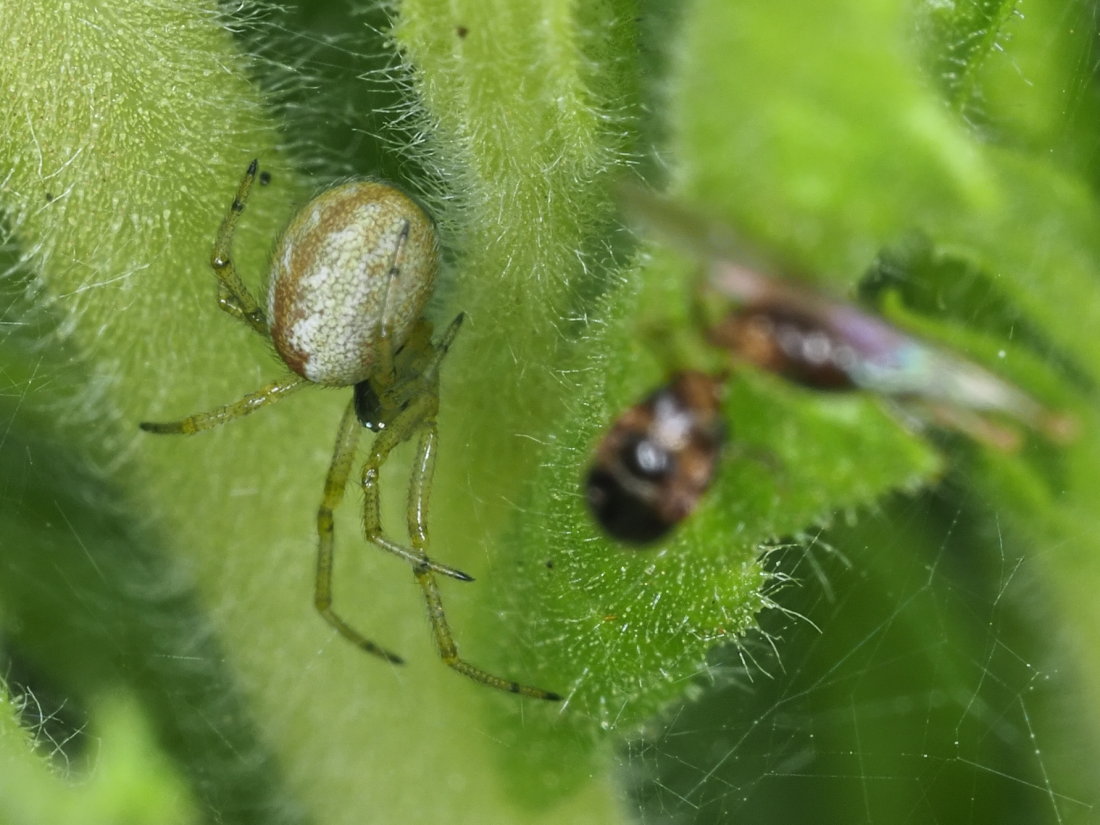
[(349, 279)]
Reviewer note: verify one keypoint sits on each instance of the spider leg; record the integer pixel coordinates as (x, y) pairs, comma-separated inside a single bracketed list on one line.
[(273, 392), (443, 345), (397, 431), (347, 440), (385, 373), (417, 515), (419, 358), (233, 296), (392, 275), (414, 404)]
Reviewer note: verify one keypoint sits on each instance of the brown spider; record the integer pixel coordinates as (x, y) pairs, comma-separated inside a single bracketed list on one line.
[(350, 276)]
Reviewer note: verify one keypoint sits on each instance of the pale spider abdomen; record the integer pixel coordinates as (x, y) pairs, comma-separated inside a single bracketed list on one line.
[(356, 262)]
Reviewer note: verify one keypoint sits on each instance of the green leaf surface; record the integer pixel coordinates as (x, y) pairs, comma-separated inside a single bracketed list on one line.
[(132, 781), (924, 156)]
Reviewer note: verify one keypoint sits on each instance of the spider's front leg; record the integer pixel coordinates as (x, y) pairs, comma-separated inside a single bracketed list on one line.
[(395, 410), (417, 516), (397, 430), (347, 440), (233, 296)]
